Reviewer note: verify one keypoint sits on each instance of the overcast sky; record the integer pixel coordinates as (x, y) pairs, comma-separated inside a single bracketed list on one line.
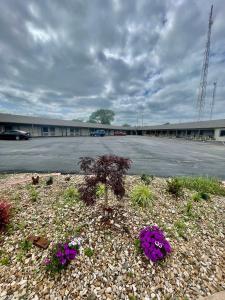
[(65, 59)]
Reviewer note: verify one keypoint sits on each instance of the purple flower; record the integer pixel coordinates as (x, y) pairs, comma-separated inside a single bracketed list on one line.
[(47, 261), (154, 243)]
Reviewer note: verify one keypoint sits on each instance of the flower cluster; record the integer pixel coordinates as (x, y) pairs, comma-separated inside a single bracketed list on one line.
[(153, 243), (62, 255), (5, 209)]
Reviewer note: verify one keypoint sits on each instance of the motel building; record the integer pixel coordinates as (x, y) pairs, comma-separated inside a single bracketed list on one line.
[(44, 127)]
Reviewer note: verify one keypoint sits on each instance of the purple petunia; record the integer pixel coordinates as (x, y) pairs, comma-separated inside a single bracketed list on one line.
[(154, 243)]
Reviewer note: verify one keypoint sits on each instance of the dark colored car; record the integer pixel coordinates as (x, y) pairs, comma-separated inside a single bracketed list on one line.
[(120, 133), (99, 132), (15, 135)]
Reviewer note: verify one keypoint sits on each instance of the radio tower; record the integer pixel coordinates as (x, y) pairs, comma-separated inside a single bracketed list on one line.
[(204, 73), (213, 100)]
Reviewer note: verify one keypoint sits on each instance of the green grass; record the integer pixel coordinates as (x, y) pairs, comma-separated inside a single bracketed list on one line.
[(203, 185), (142, 196)]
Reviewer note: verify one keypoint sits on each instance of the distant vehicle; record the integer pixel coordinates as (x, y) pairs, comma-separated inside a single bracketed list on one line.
[(99, 132), (119, 133), (15, 135)]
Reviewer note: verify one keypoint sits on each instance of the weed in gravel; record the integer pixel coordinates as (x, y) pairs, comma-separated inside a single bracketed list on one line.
[(21, 226), (132, 297), (203, 185), (25, 245), (174, 187), (130, 274), (100, 190), (137, 245), (180, 227), (200, 196), (5, 261), (16, 197), (189, 208), (71, 195), (88, 252), (146, 179), (142, 196), (33, 194)]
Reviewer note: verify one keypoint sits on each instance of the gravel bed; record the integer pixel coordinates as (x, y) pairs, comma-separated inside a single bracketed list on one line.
[(196, 266)]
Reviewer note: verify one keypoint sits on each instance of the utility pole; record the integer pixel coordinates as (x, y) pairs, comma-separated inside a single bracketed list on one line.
[(204, 72), (213, 100)]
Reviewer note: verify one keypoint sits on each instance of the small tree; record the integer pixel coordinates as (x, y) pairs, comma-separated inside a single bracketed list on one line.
[(102, 116), (108, 170)]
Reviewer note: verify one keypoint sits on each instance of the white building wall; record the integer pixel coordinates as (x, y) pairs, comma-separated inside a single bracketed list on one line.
[(218, 136)]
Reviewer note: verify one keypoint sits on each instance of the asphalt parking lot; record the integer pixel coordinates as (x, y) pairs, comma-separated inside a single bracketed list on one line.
[(150, 155)]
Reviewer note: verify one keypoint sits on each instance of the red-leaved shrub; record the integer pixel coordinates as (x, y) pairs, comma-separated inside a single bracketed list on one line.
[(108, 170), (4, 214)]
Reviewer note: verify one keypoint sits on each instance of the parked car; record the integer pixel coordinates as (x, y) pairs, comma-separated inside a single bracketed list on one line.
[(119, 133), (99, 132), (15, 135)]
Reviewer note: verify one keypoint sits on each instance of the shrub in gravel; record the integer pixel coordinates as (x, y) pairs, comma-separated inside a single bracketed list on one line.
[(33, 193), (147, 178), (174, 187), (153, 243), (5, 209), (141, 195), (71, 194), (61, 255), (200, 196), (108, 170)]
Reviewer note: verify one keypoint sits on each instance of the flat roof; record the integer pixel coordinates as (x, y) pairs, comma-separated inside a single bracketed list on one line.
[(211, 124), (18, 119)]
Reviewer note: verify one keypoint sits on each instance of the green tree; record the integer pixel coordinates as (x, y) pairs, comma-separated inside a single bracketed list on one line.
[(126, 125), (102, 116), (77, 120)]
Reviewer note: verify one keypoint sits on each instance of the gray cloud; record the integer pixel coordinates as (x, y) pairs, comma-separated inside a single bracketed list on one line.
[(67, 58)]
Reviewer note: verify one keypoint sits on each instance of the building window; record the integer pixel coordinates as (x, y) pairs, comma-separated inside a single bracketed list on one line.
[(222, 132), (44, 130)]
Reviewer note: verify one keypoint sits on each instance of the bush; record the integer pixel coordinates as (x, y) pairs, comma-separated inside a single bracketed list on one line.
[(61, 256), (174, 187), (154, 243), (71, 194), (108, 170), (141, 196), (147, 178), (200, 196), (5, 209), (203, 185)]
